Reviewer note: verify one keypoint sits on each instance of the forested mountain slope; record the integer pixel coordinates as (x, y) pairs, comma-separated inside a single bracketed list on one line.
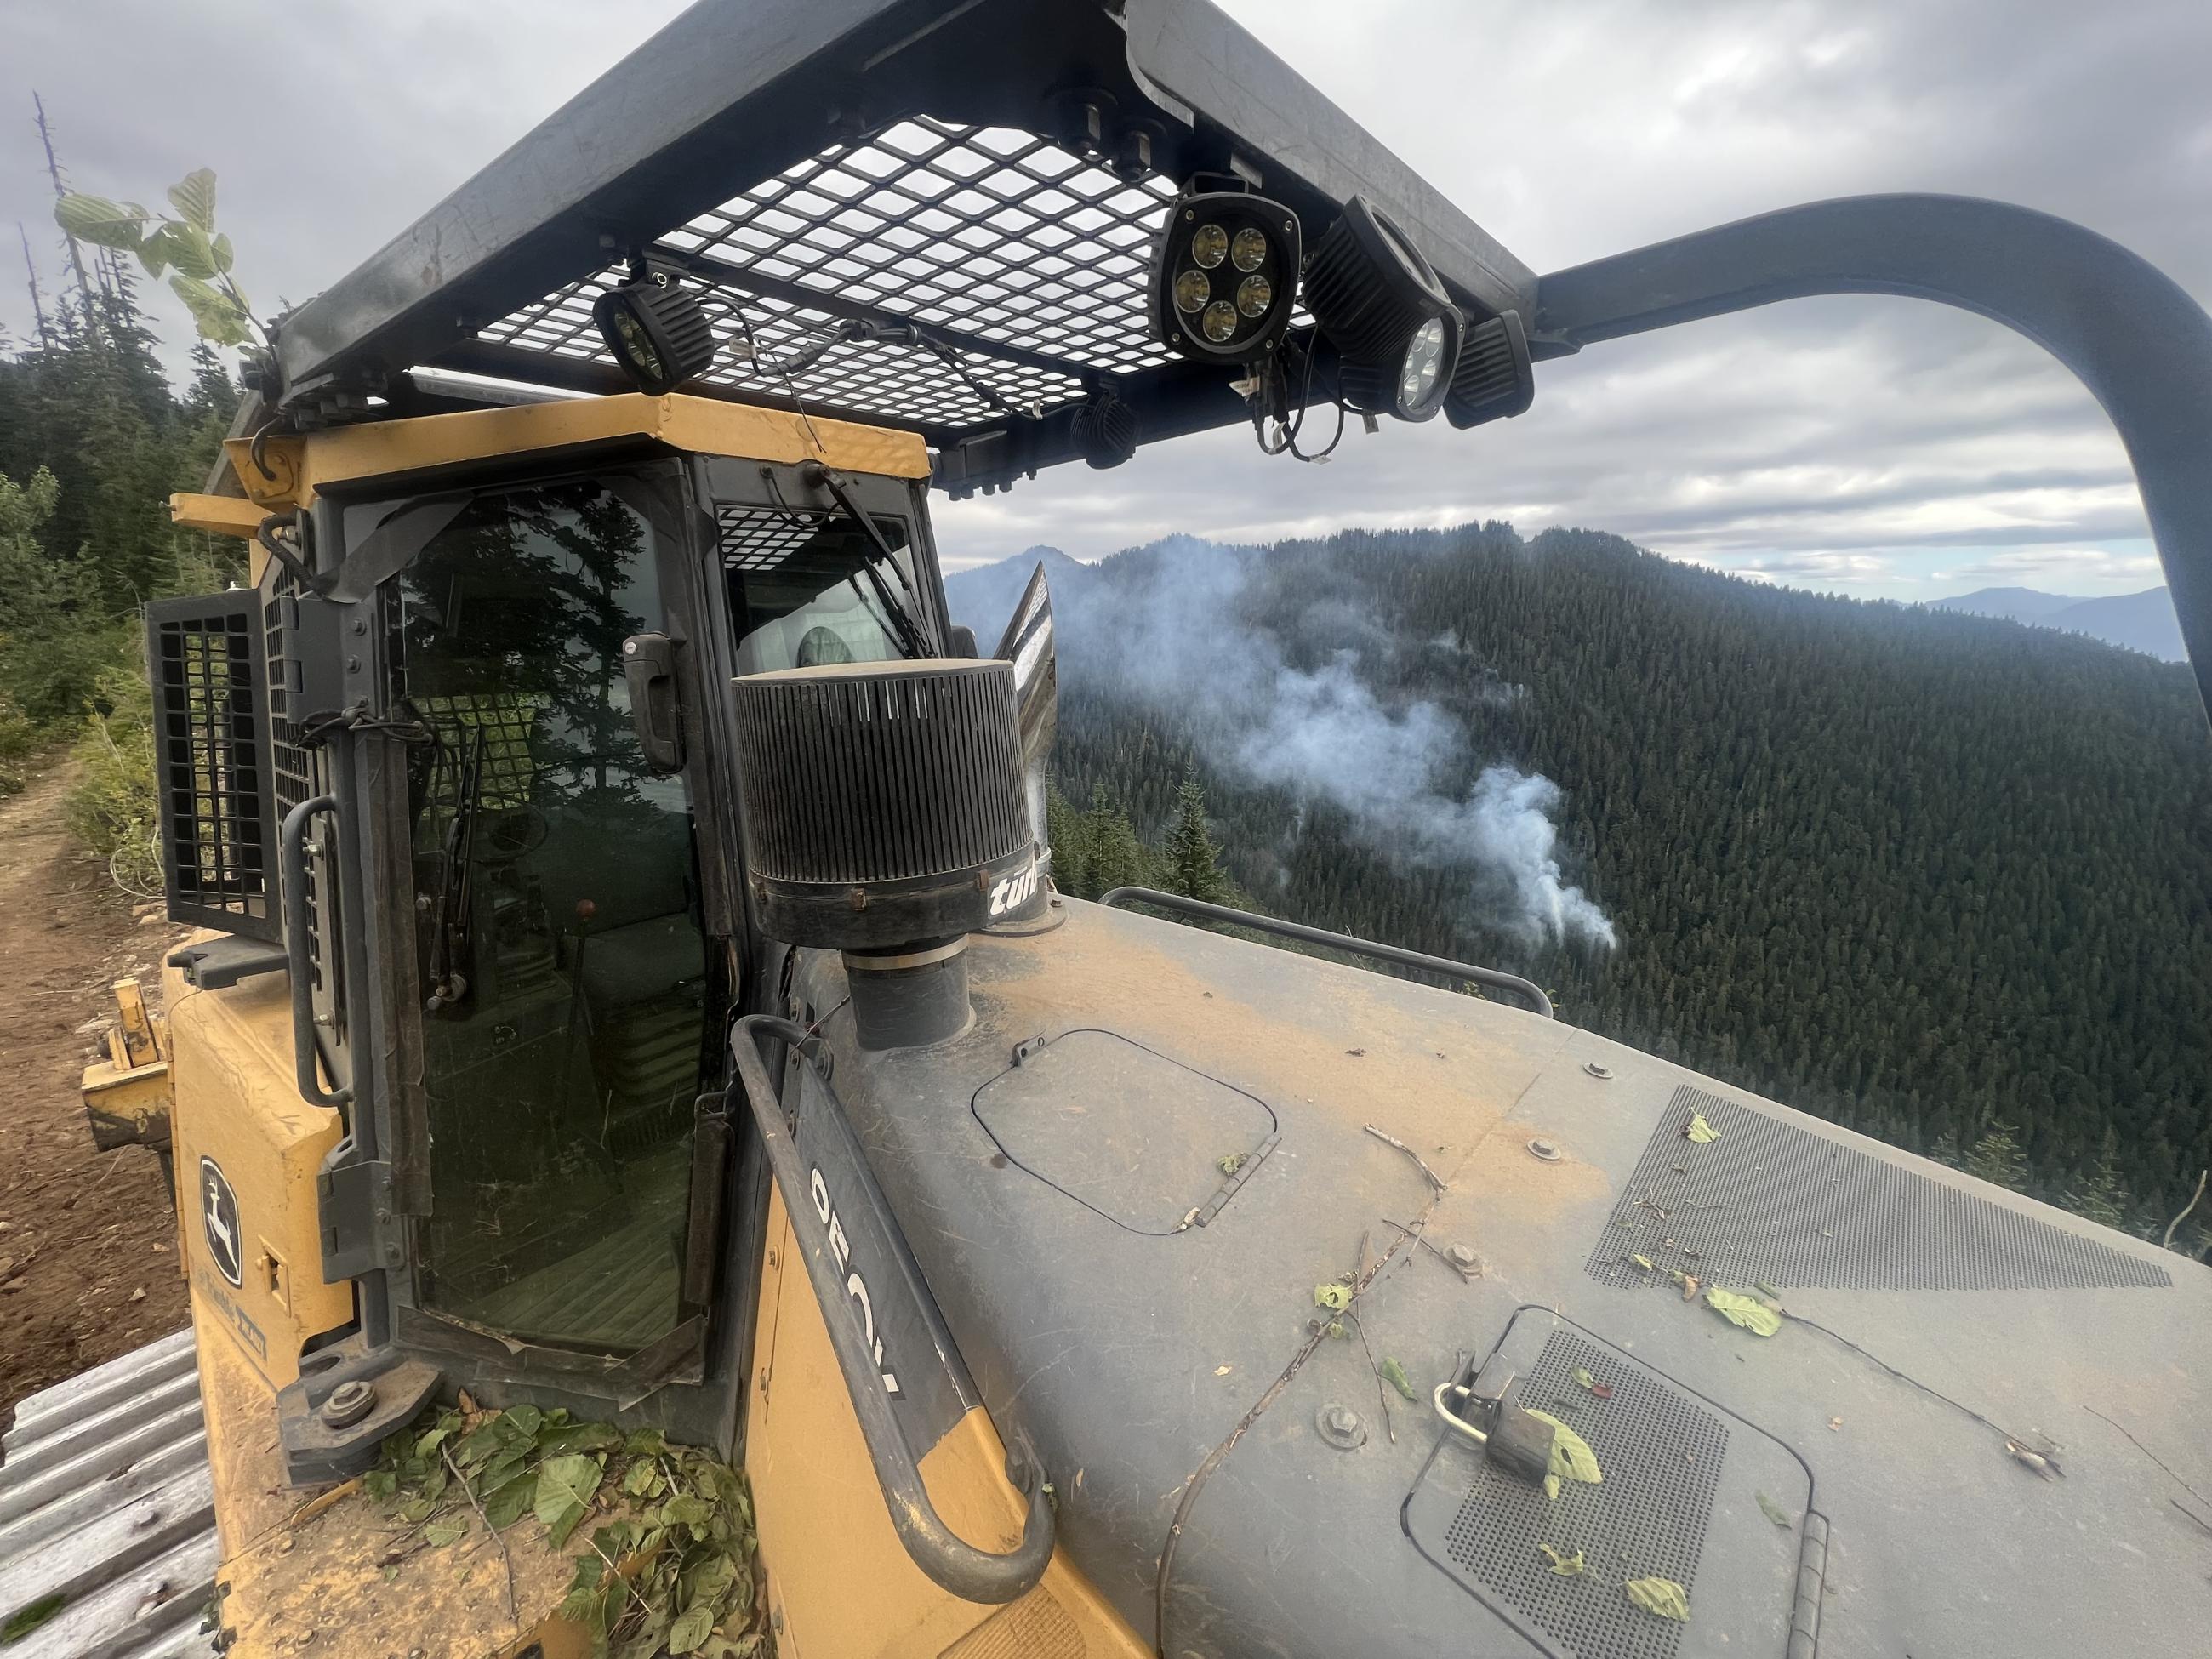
[(1923, 873)]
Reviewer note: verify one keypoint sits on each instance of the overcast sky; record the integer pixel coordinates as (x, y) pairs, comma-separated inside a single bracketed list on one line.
[(1873, 446)]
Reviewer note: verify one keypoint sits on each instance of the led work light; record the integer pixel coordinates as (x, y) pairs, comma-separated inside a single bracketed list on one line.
[(1225, 275), (656, 329), (1396, 332)]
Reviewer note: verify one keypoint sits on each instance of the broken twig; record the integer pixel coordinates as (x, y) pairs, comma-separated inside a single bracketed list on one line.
[(1435, 1180), (2167, 1241), (513, 1616)]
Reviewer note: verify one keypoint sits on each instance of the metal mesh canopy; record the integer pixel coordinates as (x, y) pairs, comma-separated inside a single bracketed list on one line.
[(1028, 260)]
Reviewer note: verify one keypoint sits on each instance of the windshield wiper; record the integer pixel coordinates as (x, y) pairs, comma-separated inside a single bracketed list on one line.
[(911, 643)]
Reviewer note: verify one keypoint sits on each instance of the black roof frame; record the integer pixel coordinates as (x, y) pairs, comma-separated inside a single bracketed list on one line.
[(734, 92)]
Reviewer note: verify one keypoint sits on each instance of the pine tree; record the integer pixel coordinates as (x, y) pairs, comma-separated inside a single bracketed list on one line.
[(1193, 861), (2103, 1197), (1118, 859)]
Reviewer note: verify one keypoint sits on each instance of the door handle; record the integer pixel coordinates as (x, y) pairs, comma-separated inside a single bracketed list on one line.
[(292, 860), (655, 714)]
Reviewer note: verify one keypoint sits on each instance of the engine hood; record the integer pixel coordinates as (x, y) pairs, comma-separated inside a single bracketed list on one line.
[(1125, 1228)]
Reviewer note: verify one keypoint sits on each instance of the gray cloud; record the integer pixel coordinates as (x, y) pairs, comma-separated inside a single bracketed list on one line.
[(1826, 428)]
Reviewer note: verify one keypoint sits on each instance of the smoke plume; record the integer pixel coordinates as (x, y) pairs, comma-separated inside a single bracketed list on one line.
[(1281, 674)]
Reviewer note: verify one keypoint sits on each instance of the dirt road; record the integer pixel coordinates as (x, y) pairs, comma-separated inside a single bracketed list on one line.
[(88, 1244)]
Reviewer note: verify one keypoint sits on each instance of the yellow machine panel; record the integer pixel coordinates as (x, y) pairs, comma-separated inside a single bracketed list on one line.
[(248, 1150), (812, 1482)]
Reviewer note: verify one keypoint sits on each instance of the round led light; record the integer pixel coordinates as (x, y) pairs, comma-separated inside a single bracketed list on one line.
[(1254, 295), (1209, 244), (1248, 251), (1423, 363), (639, 348), (1192, 291), (1220, 321)]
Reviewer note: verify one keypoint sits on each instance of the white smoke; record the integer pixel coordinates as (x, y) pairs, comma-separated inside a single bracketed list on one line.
[(1177, 630)]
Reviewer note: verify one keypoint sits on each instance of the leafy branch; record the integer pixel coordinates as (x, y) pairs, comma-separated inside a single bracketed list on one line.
[(671, 1570), (186, 243)]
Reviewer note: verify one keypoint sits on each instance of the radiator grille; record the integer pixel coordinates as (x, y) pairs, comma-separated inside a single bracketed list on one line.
[(1771, 1201), (1661, 1453), (212, 768)]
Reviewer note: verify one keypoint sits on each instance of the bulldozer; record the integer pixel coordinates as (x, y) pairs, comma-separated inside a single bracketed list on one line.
[(627, 979)]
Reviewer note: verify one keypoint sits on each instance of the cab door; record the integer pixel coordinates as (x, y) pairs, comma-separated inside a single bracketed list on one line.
[(571, 982)]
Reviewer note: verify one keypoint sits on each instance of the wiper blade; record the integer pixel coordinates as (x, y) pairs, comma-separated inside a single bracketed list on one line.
[(911, 643)]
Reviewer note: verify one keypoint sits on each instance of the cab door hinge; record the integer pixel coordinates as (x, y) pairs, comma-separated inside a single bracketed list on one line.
[(359, 1226)]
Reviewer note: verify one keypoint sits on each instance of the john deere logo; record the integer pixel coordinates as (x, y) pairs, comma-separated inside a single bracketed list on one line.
[(219, 1218)]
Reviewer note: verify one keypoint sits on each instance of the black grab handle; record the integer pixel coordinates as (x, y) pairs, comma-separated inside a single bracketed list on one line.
[(292, 859), (953, 1563), (1511, 984)]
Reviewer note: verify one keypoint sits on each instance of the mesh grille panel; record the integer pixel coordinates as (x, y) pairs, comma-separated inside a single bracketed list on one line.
[(996, 235), (211, 762), (1661, 1456), (1769, 1201), (754, 538)]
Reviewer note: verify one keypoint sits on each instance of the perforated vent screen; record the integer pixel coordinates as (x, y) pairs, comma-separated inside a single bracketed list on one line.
[(1770, 1201), (1662, 1455), (205, 656), (1029, 258)]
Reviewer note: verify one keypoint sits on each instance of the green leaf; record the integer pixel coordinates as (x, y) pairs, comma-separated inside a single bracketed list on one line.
[(1334, 1296), (1571, 1457), (190, 250), (1552, 1487), (504, 1507), (1567, 1566), (193, 197), (1700, 1130), (439, 1533), (417, 1508), (708, 1581), (431, 1442), (103, 223), (646, 1443), (690, 1630), (643, 1479), (1642, 1262), (584, 1608), (521, 1421), (1582, 1377), (1773, 1511), (379, 1484), (221, 248), (1747, 1311), (559, 1438), (1660, 1595), (565, 1485), (220, 321), (1395, 1374), (684, 1511), (477, 1444), (390, 1572)]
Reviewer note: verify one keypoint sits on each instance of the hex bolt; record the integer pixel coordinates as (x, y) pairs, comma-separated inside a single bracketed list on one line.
[(1340, 1426), (348, 1404), (1599, 1070), (1548, 1150), (1462, 1256)]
